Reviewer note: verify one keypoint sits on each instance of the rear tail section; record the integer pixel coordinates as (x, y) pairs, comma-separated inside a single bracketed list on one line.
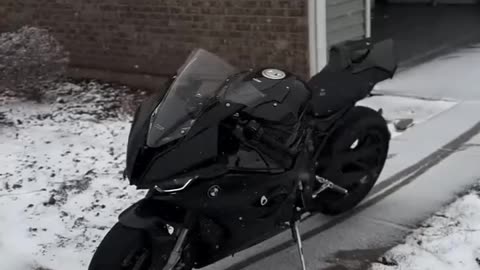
[(380, 57), (372, 63)]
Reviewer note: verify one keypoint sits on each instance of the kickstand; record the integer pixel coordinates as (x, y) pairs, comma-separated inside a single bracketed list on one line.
[(298, 239)]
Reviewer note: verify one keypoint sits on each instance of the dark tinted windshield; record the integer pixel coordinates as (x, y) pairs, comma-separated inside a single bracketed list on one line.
[(196, 86)]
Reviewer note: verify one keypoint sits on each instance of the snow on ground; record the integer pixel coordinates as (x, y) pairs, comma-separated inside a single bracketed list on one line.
[(61, 179), (452, 76), (61, 185), (448, 240)]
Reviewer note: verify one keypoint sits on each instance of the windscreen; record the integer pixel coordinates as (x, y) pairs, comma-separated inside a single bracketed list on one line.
[(196, 86), (240, 90)]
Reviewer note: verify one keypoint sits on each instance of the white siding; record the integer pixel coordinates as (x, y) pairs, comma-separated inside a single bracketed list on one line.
[(345, 20)]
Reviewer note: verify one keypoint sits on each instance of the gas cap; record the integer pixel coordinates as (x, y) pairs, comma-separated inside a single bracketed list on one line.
[(273, 74)]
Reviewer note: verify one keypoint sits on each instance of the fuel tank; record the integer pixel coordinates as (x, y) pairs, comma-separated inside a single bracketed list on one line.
[(284, 96)]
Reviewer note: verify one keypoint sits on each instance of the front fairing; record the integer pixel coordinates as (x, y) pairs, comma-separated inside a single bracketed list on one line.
[(193, 156), (168, 153), (137, 153), (147, 166), (164, 121)]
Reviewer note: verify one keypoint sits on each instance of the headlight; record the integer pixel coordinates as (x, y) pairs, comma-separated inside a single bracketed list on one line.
[(175, 185)]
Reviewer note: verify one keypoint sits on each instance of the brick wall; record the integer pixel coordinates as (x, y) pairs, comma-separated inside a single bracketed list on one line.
[(155, 36)]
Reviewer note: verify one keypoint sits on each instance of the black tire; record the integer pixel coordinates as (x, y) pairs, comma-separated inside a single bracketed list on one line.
[(353, 158), (125, 248)]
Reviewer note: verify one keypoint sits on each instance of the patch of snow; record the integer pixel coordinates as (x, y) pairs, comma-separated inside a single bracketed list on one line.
[(62, 185), (447, 241), (453, 76)]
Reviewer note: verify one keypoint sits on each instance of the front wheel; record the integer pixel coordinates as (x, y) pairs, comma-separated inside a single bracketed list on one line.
[(353, 158), (125, 248)]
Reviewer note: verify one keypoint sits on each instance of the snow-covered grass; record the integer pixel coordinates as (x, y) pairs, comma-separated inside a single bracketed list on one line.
[(61, 163), (61, 178), (448, 240)]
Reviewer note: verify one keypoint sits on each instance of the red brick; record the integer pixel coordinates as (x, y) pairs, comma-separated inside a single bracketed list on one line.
[(158, 34)]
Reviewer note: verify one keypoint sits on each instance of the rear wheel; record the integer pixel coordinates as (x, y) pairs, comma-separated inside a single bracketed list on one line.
[(353, 159), (125, 248)]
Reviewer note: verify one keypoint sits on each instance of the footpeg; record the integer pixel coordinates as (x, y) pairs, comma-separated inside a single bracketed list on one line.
[(298, 240), (326, 184)]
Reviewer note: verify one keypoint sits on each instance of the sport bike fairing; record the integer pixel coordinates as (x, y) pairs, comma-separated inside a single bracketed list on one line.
[(178, 132)]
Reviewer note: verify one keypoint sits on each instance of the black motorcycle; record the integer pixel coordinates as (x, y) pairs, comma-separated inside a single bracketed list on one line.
[(232, 158)]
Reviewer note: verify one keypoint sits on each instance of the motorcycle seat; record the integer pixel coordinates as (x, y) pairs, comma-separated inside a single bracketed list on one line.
[(334, 90)]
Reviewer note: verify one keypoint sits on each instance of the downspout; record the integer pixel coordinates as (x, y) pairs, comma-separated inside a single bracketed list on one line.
[(322, 49), (312, 38), (368, 18), (317, 20)]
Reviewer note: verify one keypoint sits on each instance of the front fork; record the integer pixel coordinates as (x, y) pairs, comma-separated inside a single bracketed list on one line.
[(176, 254), (139, 216), (181, 242)]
